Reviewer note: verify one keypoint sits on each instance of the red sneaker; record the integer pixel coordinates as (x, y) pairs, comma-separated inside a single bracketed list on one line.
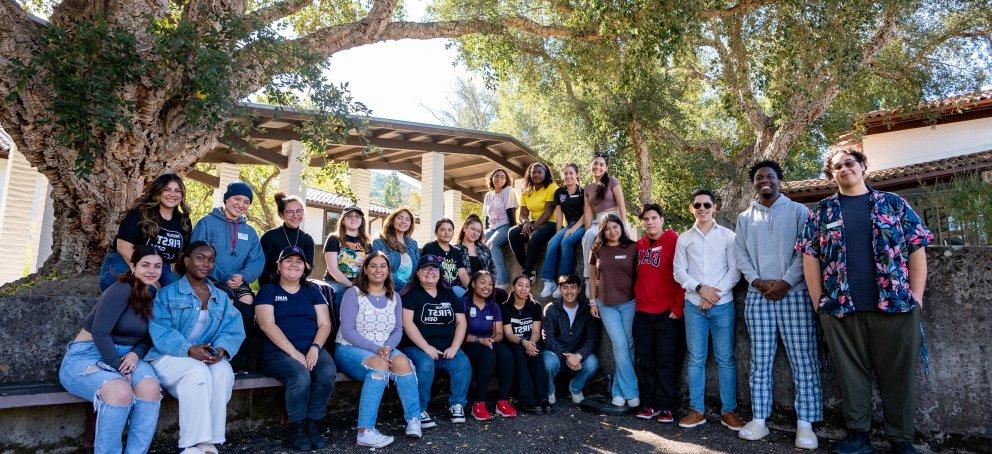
[(666, 417), (504, 409), (480, 412), (647, 413)]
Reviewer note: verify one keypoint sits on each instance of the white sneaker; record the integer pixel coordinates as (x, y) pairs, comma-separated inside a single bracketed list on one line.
[(413, 428), (457, 413), (634, 403), (426, 422), (549, 288), (191, 450), (556, 293), (577, 397), (373, 438), (619, 401), (551, 398)]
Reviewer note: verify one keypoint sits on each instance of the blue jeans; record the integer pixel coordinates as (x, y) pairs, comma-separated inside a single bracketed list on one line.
[(82, 377), (560, 256), (351, 359), (618, 321), (717, 321), (553, 363), (458, 368), (339, 290), (307, 391), (499, 241), (114, 266)]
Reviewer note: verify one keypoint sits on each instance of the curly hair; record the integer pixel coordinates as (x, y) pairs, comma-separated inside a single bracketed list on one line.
[(774, 165), (529, 183), (828, 169)]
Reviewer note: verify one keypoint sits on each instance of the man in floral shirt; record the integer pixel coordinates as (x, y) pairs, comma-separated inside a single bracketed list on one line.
[(865, 266)]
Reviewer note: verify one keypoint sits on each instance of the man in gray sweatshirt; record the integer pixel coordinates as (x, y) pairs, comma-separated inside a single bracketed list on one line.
[(777, 303)]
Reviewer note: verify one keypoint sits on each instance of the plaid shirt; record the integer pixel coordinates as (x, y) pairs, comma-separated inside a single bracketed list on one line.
[(897, 233)]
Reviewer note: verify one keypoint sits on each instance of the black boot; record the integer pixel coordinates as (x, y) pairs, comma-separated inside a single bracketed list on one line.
[(901, 447), (316, 439), (856, 442), (298, 436)]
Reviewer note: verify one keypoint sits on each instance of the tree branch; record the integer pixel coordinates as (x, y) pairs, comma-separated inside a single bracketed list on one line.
[(265, 16), (736, 73), (708, 145), (744, 5)]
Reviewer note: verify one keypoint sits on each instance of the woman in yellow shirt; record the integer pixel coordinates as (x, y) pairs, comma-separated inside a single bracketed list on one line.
[(530, 237)]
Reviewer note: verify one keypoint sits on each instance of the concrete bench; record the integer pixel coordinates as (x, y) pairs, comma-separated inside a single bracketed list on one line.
[(21, 395)]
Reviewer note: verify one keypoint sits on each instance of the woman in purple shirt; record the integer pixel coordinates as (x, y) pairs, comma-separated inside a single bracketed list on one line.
[(371, 328), (485, 351)]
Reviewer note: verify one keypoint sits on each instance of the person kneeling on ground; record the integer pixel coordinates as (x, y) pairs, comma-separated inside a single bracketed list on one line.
[(371, 328), (571, 335), (433, 330), (522, 332), (103, 363), (484, 349), (196, 329), (296, 321)]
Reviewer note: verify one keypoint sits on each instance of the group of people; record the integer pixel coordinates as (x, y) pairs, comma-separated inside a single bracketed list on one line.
[(178, 311)]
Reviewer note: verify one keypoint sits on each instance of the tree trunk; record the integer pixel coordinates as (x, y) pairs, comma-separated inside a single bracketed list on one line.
[(643, 159)]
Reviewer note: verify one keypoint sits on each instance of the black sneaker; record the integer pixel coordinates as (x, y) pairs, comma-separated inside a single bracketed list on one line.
[(901, 447), (298, 436), (426, 422), (856, 442), (530, 409), (316, 439), (457, 413)]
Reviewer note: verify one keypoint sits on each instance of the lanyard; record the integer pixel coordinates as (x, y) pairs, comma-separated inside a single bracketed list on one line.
[(232, 228)]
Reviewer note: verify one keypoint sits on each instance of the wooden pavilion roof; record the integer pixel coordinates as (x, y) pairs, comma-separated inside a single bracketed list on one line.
[(469, 155)]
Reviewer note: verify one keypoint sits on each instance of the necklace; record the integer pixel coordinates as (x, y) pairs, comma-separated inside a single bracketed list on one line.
[(287, 236)]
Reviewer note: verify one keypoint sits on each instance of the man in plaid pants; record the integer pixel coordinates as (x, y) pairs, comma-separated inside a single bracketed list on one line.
[(777, 303)]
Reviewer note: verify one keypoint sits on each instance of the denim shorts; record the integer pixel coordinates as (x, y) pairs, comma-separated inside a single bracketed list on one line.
[(83, 370)]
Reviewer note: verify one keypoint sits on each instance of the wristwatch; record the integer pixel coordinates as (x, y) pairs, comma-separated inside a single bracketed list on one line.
[(699, 287), (315, 345)]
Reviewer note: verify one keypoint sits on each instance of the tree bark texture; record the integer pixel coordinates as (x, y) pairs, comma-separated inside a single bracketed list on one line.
[(643, 159)]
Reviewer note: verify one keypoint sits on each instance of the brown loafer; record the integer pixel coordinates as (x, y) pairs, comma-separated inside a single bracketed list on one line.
[(693, 419), (732, 421)]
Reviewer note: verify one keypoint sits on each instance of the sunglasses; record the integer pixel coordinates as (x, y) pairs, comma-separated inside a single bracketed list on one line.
[(705, 205), (850, 163)]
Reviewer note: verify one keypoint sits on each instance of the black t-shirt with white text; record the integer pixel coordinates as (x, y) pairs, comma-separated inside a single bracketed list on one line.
[(170, 239), (572, 205), (452, 261), (521, 320), (433, 315)]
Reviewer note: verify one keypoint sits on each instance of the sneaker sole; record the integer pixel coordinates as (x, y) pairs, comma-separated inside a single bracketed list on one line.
[(481, 419), (457, 420), (428, 425), (690, 426), (505, 415), (646, 417), (380, 445), (415, 435), (735, 429), (666, 421)]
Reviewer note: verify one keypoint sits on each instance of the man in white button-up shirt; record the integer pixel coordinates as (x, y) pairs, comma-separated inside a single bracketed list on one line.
[(705, 267)]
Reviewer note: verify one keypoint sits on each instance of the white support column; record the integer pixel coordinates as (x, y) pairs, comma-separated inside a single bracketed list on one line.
[(291, 178), (227, 173), (453, 209), (21, 208), (361, 185), (431, 189)]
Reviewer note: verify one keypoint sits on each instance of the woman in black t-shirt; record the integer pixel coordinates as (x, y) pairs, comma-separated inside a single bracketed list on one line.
[(522, 333), (454, 275), (160, 219), (476, 255), (292, 211), (345, 251)]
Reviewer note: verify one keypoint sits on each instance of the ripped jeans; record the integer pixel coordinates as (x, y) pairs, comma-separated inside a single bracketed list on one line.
[(82, 377), (351, 360)]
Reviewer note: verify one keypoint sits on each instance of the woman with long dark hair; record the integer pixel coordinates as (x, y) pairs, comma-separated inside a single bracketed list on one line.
[(454, 273), (486, 352), (603, 196), (528, 239), (371, 329), (195, 330), (612, 267), (104, 362), (292, 211), (522, 320), (476, 255), (396, 241), (499, 207), (160, 219), (296, 321)]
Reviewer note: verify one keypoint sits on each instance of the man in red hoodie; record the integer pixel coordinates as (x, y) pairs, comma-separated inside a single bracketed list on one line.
[(659, 332)]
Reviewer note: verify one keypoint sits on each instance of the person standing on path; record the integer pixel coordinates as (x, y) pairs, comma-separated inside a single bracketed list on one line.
[(777, 303), (659, 329), (865, 265), (705, 266)]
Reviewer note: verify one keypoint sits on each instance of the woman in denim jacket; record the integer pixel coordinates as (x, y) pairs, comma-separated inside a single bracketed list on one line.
[(195, 330), (401, 250)]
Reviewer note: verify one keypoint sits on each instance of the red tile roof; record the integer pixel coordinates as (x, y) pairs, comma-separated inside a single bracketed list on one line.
[(324, 199), (944, 106)]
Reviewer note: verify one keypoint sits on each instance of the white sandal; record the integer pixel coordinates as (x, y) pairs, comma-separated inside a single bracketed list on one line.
[(753, 431), (804, 434)]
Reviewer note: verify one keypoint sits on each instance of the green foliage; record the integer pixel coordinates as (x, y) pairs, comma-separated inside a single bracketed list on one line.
[(964, 208), (391, 195)]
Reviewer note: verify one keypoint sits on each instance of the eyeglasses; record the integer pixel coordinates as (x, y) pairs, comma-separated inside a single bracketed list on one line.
[(705, 205), (295, 212), (850, 163)]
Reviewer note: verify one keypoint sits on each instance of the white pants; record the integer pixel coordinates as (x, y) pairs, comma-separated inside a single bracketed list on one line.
[(203, 392)]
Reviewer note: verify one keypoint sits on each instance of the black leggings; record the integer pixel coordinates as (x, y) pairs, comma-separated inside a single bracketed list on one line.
[(532, 379), (535, 244), (485, 362)]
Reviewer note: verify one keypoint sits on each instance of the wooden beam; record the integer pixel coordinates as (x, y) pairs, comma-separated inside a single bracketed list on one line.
[(204, 177), (371, 165), (263, 155), (440, 148)]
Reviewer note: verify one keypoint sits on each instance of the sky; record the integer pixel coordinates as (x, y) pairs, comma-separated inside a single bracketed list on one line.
[(400, 80)]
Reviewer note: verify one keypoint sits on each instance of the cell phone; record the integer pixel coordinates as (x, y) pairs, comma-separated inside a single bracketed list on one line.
[(211, 351)]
